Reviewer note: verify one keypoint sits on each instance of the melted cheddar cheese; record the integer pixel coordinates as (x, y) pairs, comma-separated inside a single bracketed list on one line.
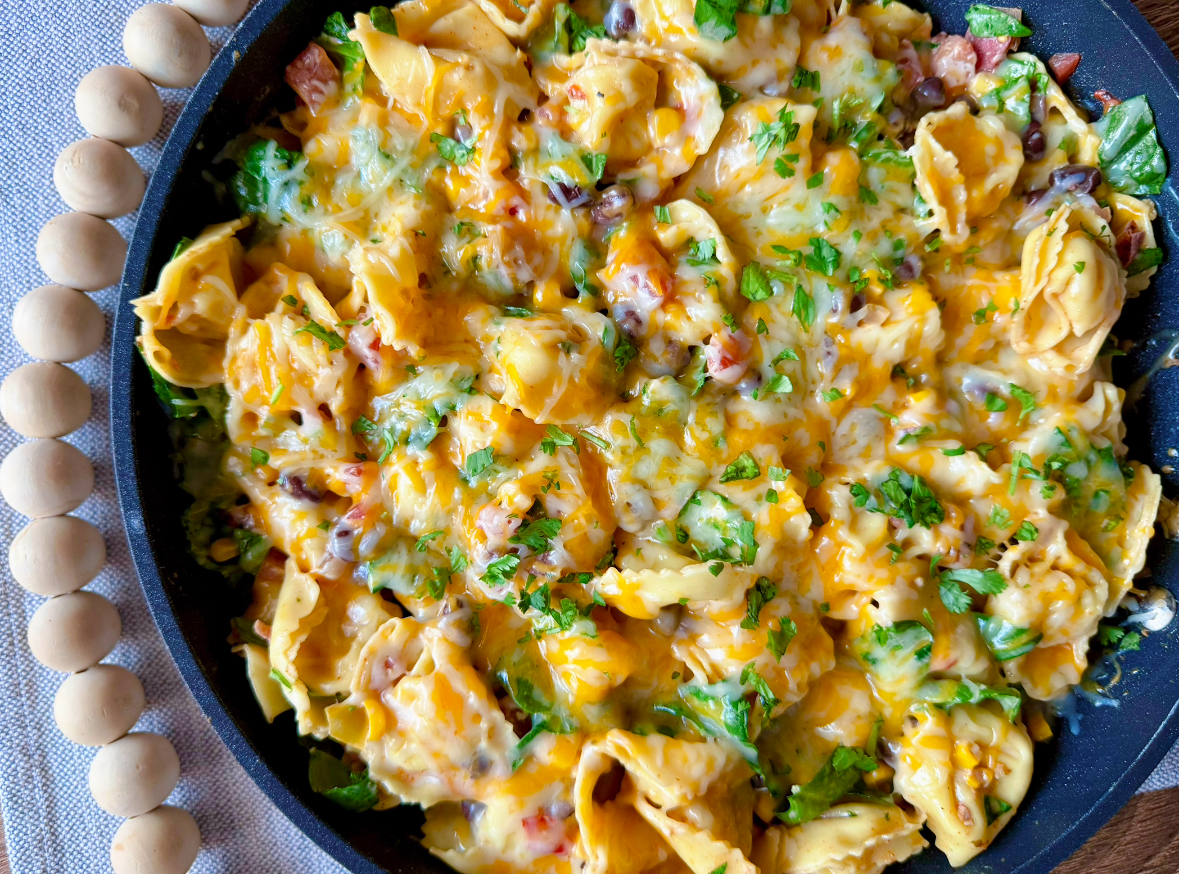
[(660, 437)]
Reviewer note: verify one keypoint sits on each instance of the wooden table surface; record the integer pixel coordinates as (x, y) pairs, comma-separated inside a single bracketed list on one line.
[(1144, 837)]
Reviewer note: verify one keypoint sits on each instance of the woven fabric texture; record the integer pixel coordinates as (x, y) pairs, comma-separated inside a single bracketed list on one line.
[(50, 823)]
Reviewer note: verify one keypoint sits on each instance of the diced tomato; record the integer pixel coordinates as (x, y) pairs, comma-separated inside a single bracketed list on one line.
[(954, 62), (546, 834), (314, 77), (1129, 243), (1108, 101), (1064, 65), (991, 51), (725, 357)]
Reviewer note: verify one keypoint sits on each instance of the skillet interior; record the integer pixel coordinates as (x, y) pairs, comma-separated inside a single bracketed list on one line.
[(1080, 780)]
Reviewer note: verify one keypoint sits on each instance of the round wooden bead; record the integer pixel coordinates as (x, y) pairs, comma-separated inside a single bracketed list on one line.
[(134, 774), (81, 251), (98, 177), (99, 705), (58, 324), (44, 399), (45, 478), (74, 632), (120, 105), (57, 555), (214, 13), (165, 44), (164, 841)]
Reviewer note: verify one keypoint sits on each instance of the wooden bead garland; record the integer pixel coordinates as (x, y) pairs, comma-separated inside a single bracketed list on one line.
[(98, 177), (58, 324), (81, 251), (163, 841), (44, 399), (118, 104), (46, 478), (134, 774), (74, 632), (55, 555), (98, 705), (166, 45)]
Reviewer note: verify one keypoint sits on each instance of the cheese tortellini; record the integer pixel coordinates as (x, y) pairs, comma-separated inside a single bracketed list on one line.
[(667, 436), (1072, 290)]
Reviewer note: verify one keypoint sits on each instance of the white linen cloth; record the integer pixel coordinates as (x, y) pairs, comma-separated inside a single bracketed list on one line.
[(50, 822)]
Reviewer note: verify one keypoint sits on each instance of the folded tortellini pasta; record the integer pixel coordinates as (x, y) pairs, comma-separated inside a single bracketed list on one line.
[(665, 782), (967, 771), (187, 319), (1056, 593), (1072, 290), (651, 111), (849, 838), (966, 165)]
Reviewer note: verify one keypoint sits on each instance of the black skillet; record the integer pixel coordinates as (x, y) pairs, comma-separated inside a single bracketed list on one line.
[(1081, 779)]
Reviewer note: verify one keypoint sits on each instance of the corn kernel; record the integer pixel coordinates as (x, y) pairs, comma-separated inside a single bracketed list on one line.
[(842, 170), (964, 755), (223, 549), (376, 718), (664, 122), (880, 779), (1039, 728)]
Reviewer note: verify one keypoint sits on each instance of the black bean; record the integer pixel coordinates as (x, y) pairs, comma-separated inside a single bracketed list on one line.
[(909, 269), (970, 102), (1039, 107), (297, 487), (568, 196), (1077, 178), (614, 204), (463, 132), (857, 302), (620, 19), (1034, 197), (559, 809), (1035, 144), (472, 810), (930, 94)]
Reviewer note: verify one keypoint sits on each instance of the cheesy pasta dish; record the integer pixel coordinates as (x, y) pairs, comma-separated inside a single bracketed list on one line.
[(663, 436)]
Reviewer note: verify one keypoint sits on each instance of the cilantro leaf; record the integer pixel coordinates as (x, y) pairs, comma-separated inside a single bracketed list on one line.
[(824, 258), (1027, 400), (750, 677), (744, 466), (595, 163), (556, 437), (703, 253), (334, 341), (1027, 532), (760, 594), (983, 582), (803, 307), (956, 600), (452, 150), (537, 534), (501, 570), (479, 461), (778, 134), (778, 639), (835, 779), (755, 285)]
